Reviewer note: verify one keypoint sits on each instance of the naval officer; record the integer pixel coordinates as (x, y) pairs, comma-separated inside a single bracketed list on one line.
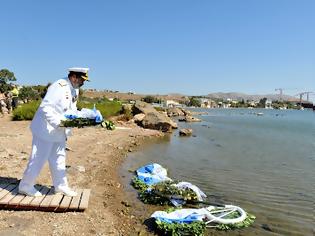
[(49, 139)]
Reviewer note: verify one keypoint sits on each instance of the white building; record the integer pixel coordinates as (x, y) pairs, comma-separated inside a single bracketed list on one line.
[(171, 103), (268, 104), (207, 103)]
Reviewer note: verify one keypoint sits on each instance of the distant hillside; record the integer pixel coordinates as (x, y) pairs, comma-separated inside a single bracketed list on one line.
[(132, 96), (182, 97), (240, 96)]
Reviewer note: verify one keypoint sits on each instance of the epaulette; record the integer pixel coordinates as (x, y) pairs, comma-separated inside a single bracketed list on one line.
[(62, 84)]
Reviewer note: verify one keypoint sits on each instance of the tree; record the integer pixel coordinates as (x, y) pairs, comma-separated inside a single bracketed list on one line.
[(262, 102), (5, 77), (41, 89), (28, 93), (194, 102), (150, 99)]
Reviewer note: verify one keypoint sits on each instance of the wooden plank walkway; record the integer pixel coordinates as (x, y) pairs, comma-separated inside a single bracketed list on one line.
[(11, 199)]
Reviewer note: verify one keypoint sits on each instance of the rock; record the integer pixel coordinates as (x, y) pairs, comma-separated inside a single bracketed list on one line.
[(174, 111), (266, 227), (4, 154), (4, 110), (125, 203), (69, 149), (174, 124), (127, 107), (185, 132), (186, 112), (191, 119), (157, 121), (138, 118), (147, 117), (81, 168), (142, 107), (142, 233), (200, 113)]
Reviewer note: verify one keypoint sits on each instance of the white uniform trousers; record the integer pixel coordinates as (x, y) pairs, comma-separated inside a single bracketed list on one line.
[(42, 151)]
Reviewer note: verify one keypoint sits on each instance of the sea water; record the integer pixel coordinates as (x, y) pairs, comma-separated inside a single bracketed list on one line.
[(261, 160)]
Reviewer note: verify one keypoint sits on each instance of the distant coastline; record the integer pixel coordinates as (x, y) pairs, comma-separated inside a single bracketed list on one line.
[(213, 100)]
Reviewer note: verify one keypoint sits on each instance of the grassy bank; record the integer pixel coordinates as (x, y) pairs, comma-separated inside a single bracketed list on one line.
[(107, 108)]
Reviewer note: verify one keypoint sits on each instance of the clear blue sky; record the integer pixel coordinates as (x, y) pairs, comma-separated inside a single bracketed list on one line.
[(163, 46)]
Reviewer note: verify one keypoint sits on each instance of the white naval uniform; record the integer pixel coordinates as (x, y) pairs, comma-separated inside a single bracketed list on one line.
[(49, 139)]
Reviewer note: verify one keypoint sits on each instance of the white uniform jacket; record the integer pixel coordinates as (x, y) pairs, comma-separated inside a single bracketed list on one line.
[(60, 98)]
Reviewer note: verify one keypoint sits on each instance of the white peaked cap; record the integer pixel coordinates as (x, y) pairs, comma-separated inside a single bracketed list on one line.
[(79, 69)]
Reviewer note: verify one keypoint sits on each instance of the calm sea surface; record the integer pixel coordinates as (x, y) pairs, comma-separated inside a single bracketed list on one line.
[(264, 164)]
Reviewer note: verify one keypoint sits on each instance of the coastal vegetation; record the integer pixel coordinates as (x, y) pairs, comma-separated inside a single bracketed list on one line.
[(262, 103), (151, 99), (107, 108), (26, 111), (30, 93), (194, 102), (30, 97), (6, 77)]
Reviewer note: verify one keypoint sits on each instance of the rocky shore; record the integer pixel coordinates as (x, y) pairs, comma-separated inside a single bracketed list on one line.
[(93, 161)]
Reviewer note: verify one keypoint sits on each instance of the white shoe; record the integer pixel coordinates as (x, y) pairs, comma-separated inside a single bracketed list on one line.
[(66, 191), (29, 191)]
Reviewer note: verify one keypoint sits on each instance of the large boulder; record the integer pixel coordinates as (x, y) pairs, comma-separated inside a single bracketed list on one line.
[(185, 132), (3, 107), (173, 124), (174, 111), (158, 121), (126, 107), (147, 117), (142, 107), (186, 112), (139, 117)]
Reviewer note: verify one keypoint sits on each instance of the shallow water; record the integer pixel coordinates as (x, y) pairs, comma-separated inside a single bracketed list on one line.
[(262, 163)]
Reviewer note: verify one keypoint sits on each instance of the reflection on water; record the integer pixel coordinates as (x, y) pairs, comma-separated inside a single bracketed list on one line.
[(264, 164)]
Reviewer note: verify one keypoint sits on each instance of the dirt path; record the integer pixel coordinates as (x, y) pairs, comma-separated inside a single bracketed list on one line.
[(93, 162)]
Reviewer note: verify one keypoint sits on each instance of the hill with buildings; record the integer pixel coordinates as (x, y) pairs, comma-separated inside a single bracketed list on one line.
[(245, 97)]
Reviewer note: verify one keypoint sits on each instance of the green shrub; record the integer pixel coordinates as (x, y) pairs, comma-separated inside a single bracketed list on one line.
[(107, 108), (26, 111)]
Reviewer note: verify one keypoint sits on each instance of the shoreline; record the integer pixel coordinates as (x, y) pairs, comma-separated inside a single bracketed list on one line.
[(94, 161)]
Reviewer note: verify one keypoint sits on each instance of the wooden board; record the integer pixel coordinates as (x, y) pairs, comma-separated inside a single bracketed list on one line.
[(84, 199), (11, 199), (76, 200)]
